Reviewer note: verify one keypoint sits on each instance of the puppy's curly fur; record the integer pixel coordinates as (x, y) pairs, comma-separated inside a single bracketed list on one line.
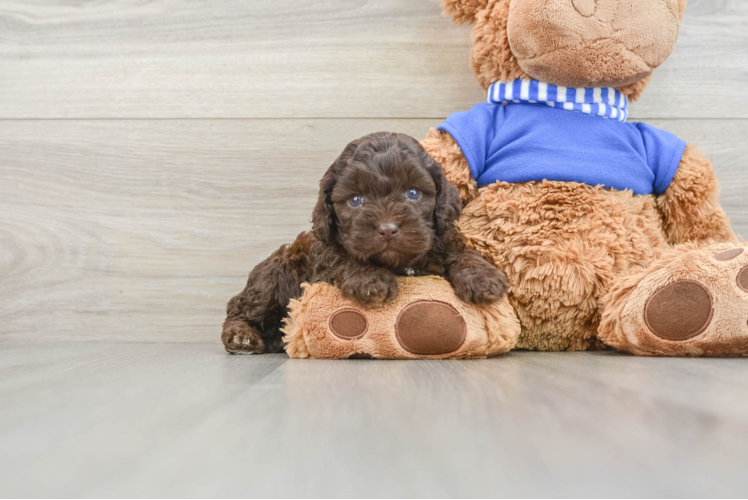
[(385, 208)]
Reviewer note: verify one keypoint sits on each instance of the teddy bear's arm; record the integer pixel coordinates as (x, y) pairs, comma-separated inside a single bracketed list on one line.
[(690, 206), (444, 149)]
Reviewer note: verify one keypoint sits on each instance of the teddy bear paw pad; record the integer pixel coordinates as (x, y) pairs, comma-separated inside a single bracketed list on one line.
[(679, 311), (430, 328), (348, 324), (743, 279)]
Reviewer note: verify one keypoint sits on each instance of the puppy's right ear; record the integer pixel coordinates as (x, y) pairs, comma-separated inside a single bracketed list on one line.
[(323, 217), (463, 11)]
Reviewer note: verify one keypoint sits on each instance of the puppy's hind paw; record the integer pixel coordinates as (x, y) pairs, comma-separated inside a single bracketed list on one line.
[(240, 338)]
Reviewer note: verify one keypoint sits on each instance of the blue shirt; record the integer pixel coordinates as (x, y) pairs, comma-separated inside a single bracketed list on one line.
[(521, 142)]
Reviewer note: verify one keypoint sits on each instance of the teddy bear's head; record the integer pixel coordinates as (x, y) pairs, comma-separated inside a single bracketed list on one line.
[(573, 43)]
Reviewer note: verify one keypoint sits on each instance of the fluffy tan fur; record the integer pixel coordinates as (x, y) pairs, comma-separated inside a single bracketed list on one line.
[(491, 330), (491, 56), (444, 149), (463, 11), (690, 207), (561, 246)]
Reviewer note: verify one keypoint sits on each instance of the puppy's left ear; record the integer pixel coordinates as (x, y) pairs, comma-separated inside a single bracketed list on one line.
[(448, 203)]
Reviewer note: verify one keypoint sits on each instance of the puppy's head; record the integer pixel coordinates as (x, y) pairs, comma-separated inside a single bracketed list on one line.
[(386, 201)]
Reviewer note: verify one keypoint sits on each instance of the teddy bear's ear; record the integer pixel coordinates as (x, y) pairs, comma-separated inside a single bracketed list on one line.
[(682, 7), (464, 11)]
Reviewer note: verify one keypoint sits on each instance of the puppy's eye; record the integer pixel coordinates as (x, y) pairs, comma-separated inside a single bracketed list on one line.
[(413, 194), (356, 201)]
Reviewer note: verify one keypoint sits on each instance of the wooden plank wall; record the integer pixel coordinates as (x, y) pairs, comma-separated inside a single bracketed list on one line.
[(152, 152)]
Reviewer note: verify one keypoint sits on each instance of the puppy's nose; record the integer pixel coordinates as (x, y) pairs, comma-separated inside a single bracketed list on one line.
[(388, 230)]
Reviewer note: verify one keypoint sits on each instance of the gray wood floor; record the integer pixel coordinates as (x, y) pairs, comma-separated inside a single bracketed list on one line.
[(111, 419)]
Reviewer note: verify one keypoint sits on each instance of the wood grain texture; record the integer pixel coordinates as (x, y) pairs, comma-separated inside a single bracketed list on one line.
[(145, 229), (187, 420), (142, 230), (304, 59)]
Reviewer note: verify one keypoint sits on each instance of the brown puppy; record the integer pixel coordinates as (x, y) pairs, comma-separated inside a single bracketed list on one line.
[(384, 209)]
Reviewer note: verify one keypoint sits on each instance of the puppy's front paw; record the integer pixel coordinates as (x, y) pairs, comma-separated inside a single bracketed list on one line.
[(480, 285), (371, 288), (240, 338)]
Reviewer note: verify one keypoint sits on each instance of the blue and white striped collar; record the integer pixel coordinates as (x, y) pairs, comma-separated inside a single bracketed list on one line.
[(608, 103)]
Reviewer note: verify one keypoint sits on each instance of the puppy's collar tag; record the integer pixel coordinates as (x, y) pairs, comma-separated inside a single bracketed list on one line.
[(410, 272), (604, 102)]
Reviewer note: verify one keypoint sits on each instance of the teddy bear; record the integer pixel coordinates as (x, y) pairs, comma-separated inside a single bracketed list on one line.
[(610, 232)]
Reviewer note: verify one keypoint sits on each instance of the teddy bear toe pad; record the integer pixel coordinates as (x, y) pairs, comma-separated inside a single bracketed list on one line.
[(348, 324), (726, 255), (743, 279)]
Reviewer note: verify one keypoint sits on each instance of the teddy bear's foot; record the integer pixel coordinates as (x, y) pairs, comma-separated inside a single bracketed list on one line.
[(426, 321), (692, 303)]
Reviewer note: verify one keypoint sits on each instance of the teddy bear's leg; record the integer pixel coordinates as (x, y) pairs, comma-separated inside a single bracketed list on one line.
[(692, 302)]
